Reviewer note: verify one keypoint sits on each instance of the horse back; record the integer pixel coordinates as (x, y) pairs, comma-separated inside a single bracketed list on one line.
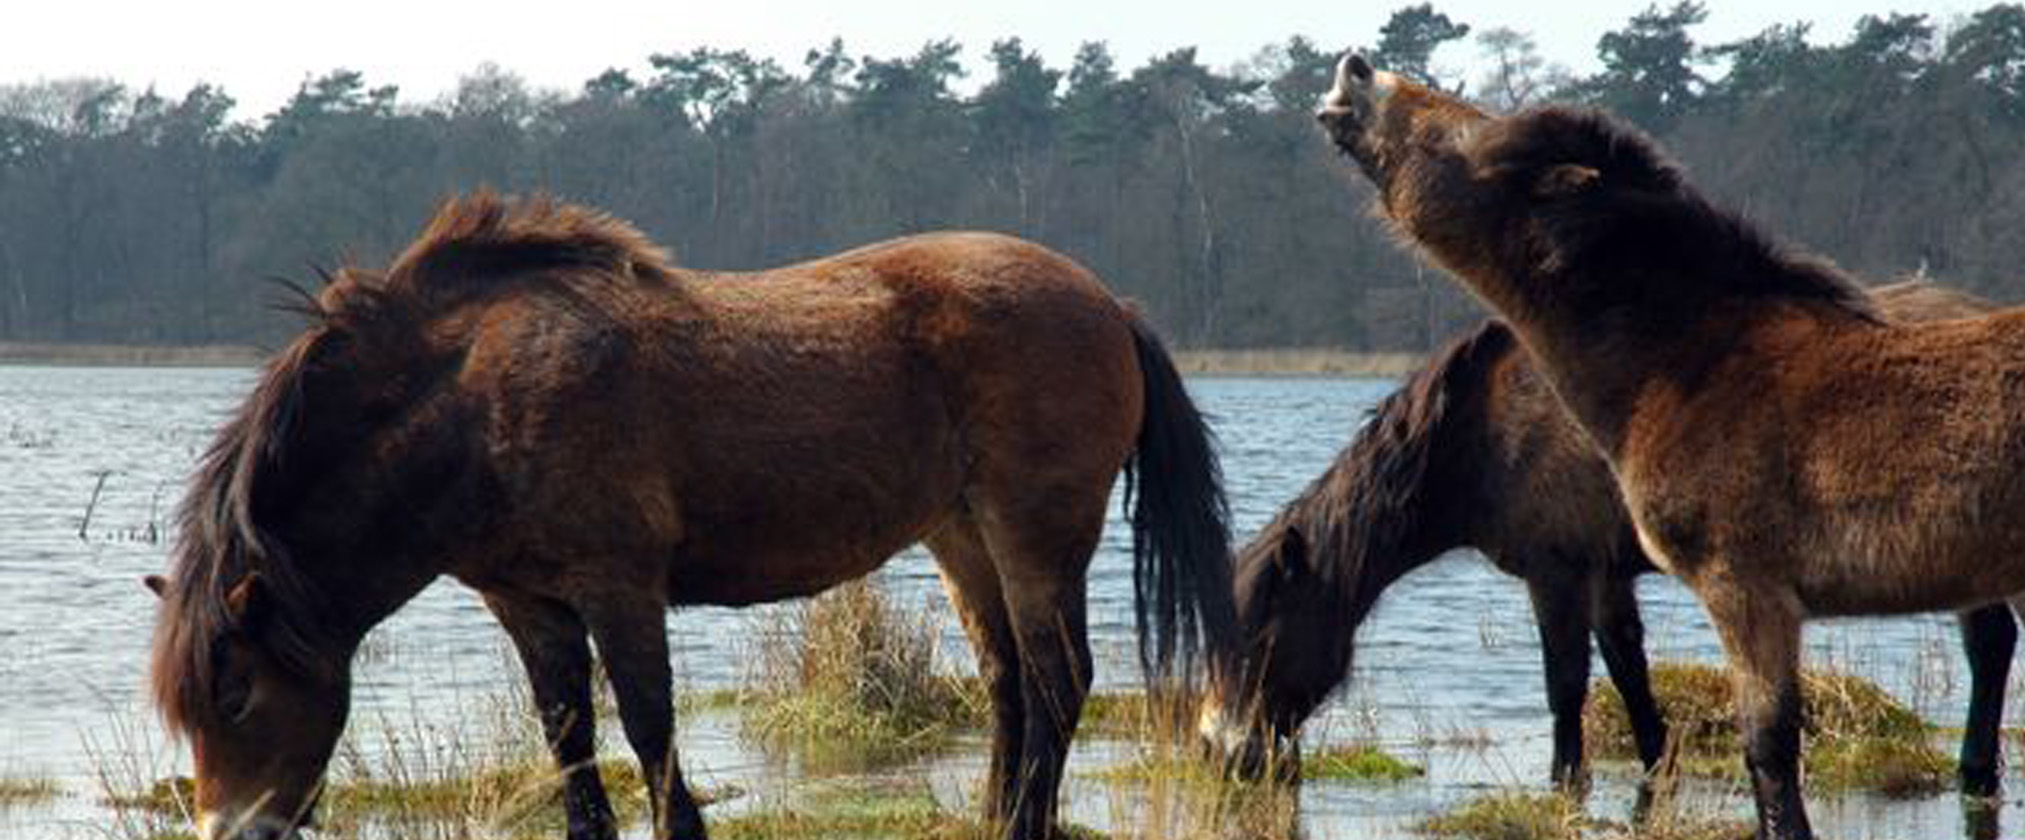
[(769, 434)]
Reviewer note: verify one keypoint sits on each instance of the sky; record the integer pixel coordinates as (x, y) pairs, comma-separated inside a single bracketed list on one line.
[(261, 52)]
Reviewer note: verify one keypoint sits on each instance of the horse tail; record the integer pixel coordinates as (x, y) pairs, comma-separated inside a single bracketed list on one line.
[(1181, 570)]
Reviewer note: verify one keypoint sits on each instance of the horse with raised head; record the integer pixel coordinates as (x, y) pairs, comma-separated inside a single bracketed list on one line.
[(1474, 451), (1784, 450), (534, 401)]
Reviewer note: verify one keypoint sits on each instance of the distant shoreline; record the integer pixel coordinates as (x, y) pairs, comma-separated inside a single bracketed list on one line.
[(1296, 361), (129, 355), (1285, 361)]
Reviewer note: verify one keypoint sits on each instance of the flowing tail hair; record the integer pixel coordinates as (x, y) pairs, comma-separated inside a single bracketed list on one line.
[(1181, 565)]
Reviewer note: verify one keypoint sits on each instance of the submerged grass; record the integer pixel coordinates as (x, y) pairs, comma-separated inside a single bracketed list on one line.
[(1858, 737), (847, 670)]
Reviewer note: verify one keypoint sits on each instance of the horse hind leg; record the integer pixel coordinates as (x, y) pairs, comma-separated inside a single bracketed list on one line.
[(1041, 550), (632, 636), (1989, 635), (550, 640), (973, 587)]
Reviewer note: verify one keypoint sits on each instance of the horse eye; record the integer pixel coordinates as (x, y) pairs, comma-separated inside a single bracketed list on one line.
[(235, 700)]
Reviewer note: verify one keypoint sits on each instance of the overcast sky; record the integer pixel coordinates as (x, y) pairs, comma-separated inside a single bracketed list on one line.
[(260, 52)]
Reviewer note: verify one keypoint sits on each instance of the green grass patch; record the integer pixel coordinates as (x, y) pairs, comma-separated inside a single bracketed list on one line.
[(1357, 763), (1857, 736)]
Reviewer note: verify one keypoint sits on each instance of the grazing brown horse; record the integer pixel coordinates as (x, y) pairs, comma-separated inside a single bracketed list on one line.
[(1783, 449), (1475, 451), (533, 401)]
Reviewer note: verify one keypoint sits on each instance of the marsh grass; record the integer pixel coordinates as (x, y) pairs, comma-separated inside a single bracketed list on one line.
[(1858, 737), (846, 671), (1515, 815), (23, 791), (129, 771)]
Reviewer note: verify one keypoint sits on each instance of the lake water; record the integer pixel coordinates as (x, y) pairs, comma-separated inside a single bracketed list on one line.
[(92, 462)]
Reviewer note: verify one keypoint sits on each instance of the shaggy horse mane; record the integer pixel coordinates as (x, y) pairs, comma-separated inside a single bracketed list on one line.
[(365, 331), (1370, 500), (1637, 219)]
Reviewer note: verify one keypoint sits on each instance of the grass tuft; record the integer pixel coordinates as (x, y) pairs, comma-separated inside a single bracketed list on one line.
[(846, 670), (1858, 737), (1510, 816)]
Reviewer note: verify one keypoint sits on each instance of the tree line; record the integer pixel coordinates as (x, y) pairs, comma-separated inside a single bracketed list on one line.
[(131, 216)]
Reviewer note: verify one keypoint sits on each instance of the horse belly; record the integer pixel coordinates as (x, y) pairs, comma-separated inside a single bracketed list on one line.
[(1914, 567), (787, 540)]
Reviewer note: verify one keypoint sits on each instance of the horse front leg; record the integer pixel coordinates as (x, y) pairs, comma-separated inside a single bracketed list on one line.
[(1759, 623), (1562, 613), (550, 640), (1620, 633), (1989, 635), (632, 636)]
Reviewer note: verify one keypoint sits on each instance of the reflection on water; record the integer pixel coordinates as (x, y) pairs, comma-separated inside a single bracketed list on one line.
[(91, 467)]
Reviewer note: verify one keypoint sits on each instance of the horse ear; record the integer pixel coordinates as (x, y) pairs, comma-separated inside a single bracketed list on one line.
[(246, 601), (157, 584), (1565, 180)]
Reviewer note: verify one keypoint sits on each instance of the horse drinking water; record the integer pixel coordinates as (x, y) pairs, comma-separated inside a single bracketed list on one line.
[(1783, 449), (533, 401)]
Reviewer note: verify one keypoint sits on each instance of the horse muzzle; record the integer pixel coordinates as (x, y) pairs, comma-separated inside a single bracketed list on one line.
[(1247, 752), (211, 826)]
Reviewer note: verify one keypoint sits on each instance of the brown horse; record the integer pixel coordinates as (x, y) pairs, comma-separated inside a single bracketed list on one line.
[(1783, 449), (1474, 451), (533, 401)]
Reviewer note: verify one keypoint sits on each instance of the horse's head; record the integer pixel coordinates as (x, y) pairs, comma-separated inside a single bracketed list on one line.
[(1293, 657), (262, 729), (1377, 118)]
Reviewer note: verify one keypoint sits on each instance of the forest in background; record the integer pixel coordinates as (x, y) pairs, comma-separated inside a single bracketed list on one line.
[(145, 217)]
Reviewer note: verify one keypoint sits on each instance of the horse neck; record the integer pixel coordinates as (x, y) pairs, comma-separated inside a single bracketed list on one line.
[(1366, 548)]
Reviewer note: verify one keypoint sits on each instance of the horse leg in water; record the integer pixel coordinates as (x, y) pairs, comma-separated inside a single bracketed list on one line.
[(632, 635), (1561, 609), (1040, 544), (1760, 629), (973, 587), (1620, 632), (551, 642), (1989, 635)]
